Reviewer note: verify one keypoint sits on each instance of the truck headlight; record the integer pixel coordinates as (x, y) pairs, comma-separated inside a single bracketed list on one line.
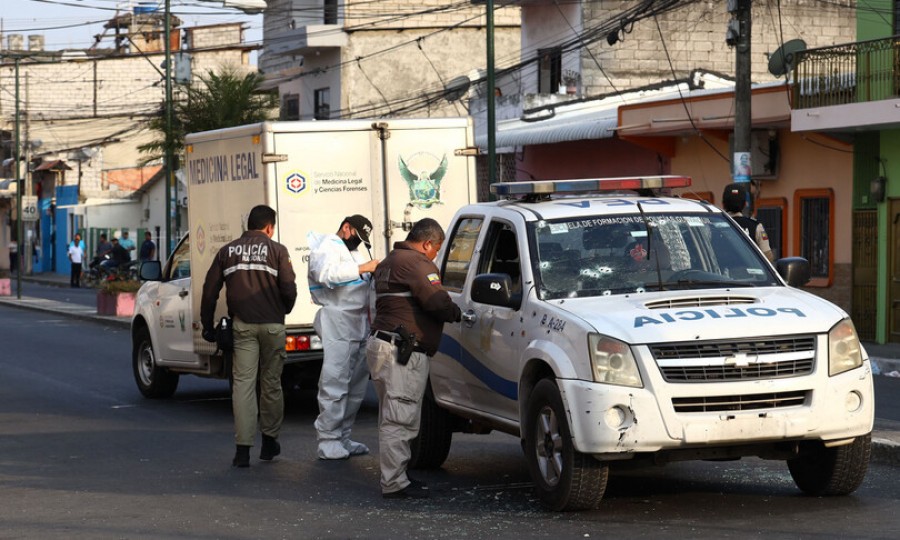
[(844, 351), (612, 361)]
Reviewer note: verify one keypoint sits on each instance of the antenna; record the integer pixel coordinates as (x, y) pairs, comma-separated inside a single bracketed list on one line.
[(782, 60)]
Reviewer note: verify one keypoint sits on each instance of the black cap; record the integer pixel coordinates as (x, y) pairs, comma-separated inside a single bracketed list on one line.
[(735, 197), (363, 227)]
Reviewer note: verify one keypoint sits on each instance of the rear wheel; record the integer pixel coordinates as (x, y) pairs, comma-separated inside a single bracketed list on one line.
[(564, 478), (432, 446), (152, 380), (831, 471)]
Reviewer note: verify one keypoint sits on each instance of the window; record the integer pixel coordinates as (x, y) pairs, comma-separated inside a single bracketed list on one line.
[(180, 265), (549, 71), (772, 213), (459, 256), (322, 104), (330, 13), (290, 107), (502, 255), (814, 231)]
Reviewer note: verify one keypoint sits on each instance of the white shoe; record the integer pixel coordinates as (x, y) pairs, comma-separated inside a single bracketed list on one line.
[(332, 449), (355, 448)]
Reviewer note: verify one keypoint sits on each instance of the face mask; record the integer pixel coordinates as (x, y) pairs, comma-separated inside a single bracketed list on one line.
[(353, 242)]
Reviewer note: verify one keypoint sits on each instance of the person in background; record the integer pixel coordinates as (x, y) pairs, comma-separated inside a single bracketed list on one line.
[(117, 256), (260, 292), (76, 256), (103, 247), (148, 248), (127, 243), (409, 300), (339, 277), (734, 201)]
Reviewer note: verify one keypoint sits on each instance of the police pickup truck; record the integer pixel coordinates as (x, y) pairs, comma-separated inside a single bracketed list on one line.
[(603, 322)]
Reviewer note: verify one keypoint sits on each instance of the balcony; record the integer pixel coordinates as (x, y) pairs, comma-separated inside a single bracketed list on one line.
[(854, 86), (849, 73)]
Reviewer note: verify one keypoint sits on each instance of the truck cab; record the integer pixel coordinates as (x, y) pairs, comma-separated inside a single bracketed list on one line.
[(604, 321)]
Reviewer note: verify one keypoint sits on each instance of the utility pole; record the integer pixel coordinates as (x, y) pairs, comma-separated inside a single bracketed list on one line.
[(20, 245), (168, 168), (491, 104), (739, 35)]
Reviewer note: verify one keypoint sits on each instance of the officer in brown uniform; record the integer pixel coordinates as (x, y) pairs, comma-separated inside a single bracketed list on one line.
[(261, 291), (409, 300)]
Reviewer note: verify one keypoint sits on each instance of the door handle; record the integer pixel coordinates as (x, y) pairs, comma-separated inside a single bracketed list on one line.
[(468, 317), (182, 293)]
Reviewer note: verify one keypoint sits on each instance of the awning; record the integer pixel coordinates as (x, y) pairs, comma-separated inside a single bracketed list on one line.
[(55, 165)]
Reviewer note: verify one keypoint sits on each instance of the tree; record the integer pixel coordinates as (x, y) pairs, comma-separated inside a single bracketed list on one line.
[(221, 100)]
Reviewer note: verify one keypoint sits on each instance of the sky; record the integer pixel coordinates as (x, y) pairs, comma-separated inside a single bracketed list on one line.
[(72, 24)]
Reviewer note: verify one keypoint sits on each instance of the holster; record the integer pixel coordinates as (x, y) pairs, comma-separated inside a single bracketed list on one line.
[(405, 345), (225, 335)]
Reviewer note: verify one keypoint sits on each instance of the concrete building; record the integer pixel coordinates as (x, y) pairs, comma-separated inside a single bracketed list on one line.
[(81, 119), (595, 94), (359, 59)]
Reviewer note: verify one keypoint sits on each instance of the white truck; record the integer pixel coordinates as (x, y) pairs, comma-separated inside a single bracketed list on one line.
[(600, 325), (314, 174)]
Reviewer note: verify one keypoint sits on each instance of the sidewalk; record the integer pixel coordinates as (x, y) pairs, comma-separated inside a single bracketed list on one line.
[(885, 358)]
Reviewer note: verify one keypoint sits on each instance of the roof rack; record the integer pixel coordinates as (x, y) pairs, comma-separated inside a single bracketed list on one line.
[(530, 189)]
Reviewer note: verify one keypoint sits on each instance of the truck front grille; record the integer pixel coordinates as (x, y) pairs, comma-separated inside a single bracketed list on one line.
[(718, 361), (748, 402)]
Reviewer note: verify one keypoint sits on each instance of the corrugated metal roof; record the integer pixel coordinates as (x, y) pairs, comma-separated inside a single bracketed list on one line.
[(585, 120)]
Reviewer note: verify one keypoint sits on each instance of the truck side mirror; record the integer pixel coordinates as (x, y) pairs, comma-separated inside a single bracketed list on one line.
[(495, 290), (151, 271), (794, 270)]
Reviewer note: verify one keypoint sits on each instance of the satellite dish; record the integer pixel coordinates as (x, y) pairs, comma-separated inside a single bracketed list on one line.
[(456, 88), (782, 60)]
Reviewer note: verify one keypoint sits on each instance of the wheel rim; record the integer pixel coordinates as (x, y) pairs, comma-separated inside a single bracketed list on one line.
[(146, 363), (549, 446)]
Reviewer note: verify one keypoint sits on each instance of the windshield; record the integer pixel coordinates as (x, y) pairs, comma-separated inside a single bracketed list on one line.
[(626, 254)]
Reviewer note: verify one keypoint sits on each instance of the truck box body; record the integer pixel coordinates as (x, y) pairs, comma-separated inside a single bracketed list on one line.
[(314, 174)]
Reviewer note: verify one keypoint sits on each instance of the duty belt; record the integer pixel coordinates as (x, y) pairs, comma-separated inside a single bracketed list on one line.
[(393, 339)]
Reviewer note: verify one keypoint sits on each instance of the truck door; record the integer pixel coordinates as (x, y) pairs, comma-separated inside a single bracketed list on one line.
[(175, 341), (424, 176), (489, 336)]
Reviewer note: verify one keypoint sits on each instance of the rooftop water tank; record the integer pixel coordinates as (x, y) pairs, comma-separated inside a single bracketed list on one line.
[(143, 8)]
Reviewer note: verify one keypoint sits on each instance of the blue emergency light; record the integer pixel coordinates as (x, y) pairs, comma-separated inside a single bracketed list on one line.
[(588, 185)]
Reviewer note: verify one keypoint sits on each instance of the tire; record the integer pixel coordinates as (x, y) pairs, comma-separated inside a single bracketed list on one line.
[(822, 471), (564, 478), (153, 381), (429, 450)]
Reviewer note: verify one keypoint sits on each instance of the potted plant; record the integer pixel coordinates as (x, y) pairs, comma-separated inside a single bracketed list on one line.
[(116, 296), (5, 285)]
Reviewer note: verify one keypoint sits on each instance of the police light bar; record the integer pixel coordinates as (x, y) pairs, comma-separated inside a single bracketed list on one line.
[(547, 187)]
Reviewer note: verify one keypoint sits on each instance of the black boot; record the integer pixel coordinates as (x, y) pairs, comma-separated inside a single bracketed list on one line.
[(241, 456), (270, 448)]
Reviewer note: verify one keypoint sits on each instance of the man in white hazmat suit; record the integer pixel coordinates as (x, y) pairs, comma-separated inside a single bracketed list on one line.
[(339, 277)]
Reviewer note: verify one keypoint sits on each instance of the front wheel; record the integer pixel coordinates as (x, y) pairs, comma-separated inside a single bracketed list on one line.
[(564, 478), (819, 470), (431, 447), (152, 380)]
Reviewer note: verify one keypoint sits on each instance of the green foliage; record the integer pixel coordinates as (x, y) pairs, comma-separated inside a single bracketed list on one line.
[(119, 284), (224, 99)]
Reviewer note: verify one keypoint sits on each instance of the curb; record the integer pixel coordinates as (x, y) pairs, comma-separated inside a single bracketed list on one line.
[(885, 451), (75, 312)]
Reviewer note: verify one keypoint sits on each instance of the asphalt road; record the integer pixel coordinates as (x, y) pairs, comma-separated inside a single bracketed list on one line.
[(83, 455)]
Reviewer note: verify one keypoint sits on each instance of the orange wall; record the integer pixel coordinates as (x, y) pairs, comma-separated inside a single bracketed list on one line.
[(807, 161)]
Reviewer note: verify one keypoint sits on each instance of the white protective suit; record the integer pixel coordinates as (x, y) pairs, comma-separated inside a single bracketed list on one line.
[(343, 324)]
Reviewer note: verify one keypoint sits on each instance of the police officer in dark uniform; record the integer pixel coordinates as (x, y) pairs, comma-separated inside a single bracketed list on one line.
[(261, 291), (411, 308), (734, 200)]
